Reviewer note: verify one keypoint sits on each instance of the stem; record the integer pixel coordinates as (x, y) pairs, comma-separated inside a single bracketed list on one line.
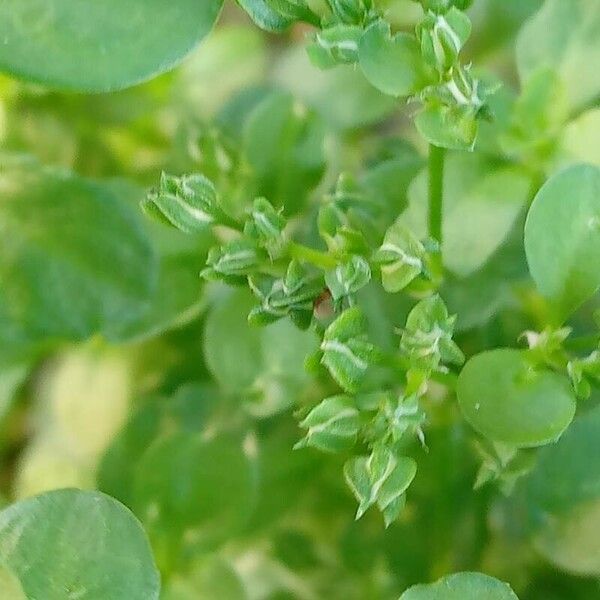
[(226, 221), (314, 257), (435, 192)]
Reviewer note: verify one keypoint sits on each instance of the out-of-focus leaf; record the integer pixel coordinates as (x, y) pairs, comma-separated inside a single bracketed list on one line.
[(10, 586), (211, 577), (263, 364), (563, 35), (186, 483), (481, 205), (342, 96), (99, 46), (83, 544), (74, 260), (563, 498), (283, 144)]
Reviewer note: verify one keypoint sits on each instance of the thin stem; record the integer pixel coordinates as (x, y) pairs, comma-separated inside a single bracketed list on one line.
[(435, 192), (226, 221), (314, 257)]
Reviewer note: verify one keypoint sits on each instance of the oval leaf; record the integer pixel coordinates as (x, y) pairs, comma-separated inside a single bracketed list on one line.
[(392, 64), (85, 545), (563, 35), (462, 586), (563, 498), (75, 260), (99, 46), (507, 401), (562, 237), (184, 481)]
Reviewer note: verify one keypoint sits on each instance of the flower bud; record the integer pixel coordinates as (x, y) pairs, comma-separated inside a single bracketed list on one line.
[(332, 425), (348, 278), (188, 203)]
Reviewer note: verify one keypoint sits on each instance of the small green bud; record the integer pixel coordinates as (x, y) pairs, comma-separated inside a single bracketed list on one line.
[(266, 225), (401, 416), (188, 203), (402, 258), (293, 295), (332, 425), (442, 37), (581, 386), (351, 12), (502, 464), (382, 479), (347, 354), (427, 337), (335, 45), (348, 278), (233, 261)]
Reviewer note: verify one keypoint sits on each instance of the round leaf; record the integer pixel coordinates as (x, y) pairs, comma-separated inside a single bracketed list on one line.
[(462, 586), (508, 401), (562, 237), (75, 544), (75, 260), (99, 46), (393, 64)]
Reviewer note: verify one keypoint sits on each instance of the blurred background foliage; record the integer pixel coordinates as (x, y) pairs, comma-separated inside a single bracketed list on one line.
[(185, 413)]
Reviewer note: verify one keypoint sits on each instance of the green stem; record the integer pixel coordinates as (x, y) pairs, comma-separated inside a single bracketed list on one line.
[(314, 257), (226, 221), (435, 192)]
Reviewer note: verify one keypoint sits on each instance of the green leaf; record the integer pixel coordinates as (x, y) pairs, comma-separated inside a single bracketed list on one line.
[(212, 576), (563, 36), (507, 400), (427, 337), (342, 96), (401, 258), (262, 364), (461, 586), (283, 144), (349, 277), (75, 260), (332, 425), (187, 410), (562, 237), (70, 543), (10, 586), (393, 64), (265, 15), (580, 140), (99, 46), (381, 478), (335, 45), (442, 37), (188, 203), (562, 495), (451, 127), (481, 206), (11, 378), (347, 354), (185, 481)]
